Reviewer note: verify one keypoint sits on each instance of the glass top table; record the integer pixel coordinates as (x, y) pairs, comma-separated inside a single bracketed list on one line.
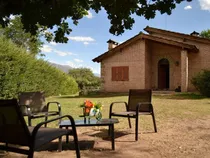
[(92, 122)]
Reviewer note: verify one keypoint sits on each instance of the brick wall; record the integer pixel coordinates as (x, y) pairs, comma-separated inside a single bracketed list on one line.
[(142, 57), (132, 56)]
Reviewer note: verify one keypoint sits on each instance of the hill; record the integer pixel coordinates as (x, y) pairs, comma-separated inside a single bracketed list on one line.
[(64, 68)]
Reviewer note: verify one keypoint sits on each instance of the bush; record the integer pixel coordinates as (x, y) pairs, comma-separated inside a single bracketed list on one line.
[(20, 71), (202, 82)]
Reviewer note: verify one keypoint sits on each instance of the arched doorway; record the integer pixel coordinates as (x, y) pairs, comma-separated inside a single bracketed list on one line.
[(163, 74)]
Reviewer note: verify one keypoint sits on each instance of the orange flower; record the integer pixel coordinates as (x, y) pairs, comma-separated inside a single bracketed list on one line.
[(88, 103)]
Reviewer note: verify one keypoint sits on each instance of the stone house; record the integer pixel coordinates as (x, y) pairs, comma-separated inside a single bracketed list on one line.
[(160, 60)]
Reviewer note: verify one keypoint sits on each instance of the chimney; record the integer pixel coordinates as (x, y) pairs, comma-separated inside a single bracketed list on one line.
[(111, 44), (194, 33)]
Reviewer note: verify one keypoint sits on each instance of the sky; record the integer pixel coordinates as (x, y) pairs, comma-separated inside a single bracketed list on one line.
[(89, 38)]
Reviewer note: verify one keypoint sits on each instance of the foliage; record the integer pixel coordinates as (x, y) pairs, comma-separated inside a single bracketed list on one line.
[(20, 71), (84, 78), (52, 13), (205, 34), (202, 82), (17, 34)]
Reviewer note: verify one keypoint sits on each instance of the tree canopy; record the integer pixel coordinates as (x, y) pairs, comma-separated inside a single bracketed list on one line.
[(15, 32), (84, 77), (50, 13), (205, 34)]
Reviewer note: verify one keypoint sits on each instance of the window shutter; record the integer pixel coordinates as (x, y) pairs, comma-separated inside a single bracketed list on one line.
[(120, 73), (126, 73)]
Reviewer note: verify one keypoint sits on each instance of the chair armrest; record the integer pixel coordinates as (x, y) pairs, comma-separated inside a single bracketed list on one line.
[(27, 108), (111, 105), (37, 127), (54, 102)]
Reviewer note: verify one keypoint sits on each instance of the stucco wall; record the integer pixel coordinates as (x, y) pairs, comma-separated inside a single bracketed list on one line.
[(132, 56)]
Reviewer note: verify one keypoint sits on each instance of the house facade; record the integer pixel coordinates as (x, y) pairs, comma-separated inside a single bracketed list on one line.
[(160, 60)]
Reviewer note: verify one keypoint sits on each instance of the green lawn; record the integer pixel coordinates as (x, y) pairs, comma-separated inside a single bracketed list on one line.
[(176, 106)]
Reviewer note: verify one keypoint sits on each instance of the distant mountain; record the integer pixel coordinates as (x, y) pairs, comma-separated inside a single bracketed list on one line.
[(64, 68)]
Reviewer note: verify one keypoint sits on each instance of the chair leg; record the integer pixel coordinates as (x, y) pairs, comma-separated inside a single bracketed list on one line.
[(129, 122), (29, 121), (31, 153), (153, 118), (136, 130), (46, 118), (109, 130), (76, 143)]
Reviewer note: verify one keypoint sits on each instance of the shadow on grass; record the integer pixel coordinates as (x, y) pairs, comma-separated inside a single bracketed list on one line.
[(182, 96)]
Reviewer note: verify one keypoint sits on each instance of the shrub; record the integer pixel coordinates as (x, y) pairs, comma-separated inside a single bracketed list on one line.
[(202, 82), (20, 71)]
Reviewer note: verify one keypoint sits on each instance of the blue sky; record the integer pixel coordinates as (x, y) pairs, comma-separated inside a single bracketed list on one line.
[(89, 38)]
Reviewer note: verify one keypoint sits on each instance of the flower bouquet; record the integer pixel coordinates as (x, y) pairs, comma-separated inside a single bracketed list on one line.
[(91, 109)]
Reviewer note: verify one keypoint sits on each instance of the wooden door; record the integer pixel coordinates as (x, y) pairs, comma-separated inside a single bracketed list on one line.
[(163, 74)]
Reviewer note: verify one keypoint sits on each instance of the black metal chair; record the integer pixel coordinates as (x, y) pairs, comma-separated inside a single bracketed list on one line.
[(33, 106), (14, 131), (139, 103)]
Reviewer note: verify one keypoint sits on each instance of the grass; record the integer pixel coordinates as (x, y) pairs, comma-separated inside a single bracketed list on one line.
[(174, 106)]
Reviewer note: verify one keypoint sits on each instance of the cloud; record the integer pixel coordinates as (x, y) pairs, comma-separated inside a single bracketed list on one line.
[(78, 60), (89, 16), (81, 39), (46, 49), (188, 7), (53, 43), (49, 49), (63, 53), (86, 43), (85, 40), (205, 4)]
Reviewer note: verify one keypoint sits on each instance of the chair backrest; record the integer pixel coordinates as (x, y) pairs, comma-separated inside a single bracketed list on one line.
[(139, 96), (13, 128), (35, 100)]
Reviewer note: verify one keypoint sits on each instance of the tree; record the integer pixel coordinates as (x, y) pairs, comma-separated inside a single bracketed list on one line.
[(17, 34), (201, 81), (205, 34), (84, 77), (50, 13)]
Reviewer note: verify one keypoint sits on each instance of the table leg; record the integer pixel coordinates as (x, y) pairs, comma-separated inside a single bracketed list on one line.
[(67, 136), (111, 129), (60, 144)]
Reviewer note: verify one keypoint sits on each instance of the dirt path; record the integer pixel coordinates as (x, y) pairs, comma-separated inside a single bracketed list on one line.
[(175, 139)]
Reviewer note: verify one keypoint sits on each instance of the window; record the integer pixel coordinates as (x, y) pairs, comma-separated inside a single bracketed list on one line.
[(120, 73)]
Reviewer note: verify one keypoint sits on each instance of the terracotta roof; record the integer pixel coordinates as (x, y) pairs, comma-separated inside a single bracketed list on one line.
[(177, 34), (182, 45), (111, 52)]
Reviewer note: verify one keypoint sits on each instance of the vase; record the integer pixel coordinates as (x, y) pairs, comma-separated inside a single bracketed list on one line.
[(92, 112), (98, 116)]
